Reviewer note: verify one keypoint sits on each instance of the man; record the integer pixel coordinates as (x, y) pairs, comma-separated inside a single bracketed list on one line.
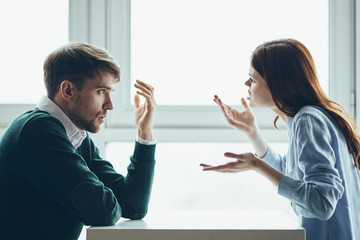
[(52, 178)]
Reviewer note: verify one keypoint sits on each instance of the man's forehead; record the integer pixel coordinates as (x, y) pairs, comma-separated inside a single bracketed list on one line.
[(102, 80)]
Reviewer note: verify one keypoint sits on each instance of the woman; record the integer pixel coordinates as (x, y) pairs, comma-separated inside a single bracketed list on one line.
[(320, 173)]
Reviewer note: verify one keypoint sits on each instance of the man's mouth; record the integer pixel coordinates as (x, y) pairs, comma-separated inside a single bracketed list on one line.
[(102, 119)]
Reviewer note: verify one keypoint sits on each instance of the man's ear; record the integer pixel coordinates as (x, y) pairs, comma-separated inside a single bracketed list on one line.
[(67, 90)]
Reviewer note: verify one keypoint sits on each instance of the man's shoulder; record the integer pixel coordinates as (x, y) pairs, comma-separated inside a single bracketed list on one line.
[(35, 116), (28, 125), (33, 119)]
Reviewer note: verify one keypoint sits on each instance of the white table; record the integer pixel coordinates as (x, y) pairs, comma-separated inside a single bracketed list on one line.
[(203, 225)]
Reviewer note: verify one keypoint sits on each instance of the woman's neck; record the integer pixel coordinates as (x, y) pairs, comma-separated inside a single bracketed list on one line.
[(280, 114)]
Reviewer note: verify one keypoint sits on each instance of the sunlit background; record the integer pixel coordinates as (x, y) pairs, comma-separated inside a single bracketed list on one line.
[(188, 50), (192, 49), (37, 28)]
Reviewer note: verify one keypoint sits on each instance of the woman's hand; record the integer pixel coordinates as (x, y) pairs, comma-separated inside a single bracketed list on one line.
[(244, 121), (244, 162)]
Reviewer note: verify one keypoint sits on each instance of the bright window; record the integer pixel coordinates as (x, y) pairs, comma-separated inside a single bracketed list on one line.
[(180, 183), (30, 30), (190, 50)]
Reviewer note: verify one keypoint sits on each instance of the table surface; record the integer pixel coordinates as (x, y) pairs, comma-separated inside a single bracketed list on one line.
[(196, 221)]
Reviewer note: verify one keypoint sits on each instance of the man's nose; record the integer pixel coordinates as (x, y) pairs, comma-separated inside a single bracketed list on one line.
[(108, 105)]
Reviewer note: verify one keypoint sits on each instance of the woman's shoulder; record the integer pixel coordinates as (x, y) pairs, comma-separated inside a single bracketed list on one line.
[(314, 114), (312, 111)]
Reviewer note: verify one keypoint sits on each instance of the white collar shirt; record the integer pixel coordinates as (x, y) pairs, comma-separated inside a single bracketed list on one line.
[(75, 136)]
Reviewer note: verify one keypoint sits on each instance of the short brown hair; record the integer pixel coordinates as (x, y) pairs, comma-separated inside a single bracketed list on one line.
[(77, 62)]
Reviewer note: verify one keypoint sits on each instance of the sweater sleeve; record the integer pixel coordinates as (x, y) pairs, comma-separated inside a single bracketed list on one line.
[(317, 194), (132, 191), (50, 162)]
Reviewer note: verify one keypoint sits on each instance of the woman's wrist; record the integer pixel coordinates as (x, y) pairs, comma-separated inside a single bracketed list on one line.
[(269, 172), (253, 131), (258, 141)]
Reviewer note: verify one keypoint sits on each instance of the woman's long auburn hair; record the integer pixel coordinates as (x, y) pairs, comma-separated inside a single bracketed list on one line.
[(288, 68)]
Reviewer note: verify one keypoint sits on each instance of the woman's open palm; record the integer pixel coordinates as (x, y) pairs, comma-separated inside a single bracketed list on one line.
[(244, 121)]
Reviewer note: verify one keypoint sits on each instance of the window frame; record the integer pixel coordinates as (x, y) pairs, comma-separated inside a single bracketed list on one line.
[(206, 123), (357, 61), (107, 24)]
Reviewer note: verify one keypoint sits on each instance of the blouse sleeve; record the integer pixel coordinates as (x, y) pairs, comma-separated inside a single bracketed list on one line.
[(275, 160), (316, 195)]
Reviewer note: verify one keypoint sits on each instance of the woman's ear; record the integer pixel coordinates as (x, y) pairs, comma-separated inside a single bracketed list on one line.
[(66, 90)]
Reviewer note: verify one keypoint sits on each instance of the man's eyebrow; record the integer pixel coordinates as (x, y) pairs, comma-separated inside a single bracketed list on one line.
[(106, 87), (250, 75)]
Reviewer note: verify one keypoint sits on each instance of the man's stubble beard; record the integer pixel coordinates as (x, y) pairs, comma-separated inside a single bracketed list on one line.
[(82, 121)]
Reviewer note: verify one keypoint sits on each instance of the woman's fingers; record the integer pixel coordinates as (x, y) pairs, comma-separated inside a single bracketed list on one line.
[(244, 103), (215, 168), (233, 155), (205, 165)]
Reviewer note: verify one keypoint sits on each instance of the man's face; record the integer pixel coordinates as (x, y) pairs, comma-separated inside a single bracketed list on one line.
[(89, 107)]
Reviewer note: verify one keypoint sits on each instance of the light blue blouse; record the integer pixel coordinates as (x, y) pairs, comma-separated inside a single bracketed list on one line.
[(320, 180)]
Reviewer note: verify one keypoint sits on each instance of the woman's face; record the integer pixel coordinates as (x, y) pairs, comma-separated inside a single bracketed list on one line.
[(259, 93)]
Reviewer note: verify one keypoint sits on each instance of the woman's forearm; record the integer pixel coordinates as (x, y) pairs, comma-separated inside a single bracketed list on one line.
[(258, 142), (269, 172)]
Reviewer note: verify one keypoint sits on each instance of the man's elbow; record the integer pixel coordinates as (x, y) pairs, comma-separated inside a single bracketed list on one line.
[(106, 219), (137, 216)]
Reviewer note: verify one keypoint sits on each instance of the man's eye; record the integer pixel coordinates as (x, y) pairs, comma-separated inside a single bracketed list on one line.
[(102, 91)]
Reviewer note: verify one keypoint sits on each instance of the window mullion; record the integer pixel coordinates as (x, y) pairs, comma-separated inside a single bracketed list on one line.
[(341, 53)]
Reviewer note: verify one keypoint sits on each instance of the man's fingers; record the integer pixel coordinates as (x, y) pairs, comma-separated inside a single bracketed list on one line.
[(146, 96), (144, 86), (137, 100), (144, 89)]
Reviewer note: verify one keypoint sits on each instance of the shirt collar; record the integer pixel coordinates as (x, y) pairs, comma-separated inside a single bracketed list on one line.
[(74, 134)]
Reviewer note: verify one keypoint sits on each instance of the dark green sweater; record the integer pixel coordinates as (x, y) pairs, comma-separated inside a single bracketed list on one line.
[(49, 189)]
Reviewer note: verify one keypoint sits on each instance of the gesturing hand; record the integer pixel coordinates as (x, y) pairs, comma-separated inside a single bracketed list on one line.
[(144, 114), (244, 121), (246, 161)]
